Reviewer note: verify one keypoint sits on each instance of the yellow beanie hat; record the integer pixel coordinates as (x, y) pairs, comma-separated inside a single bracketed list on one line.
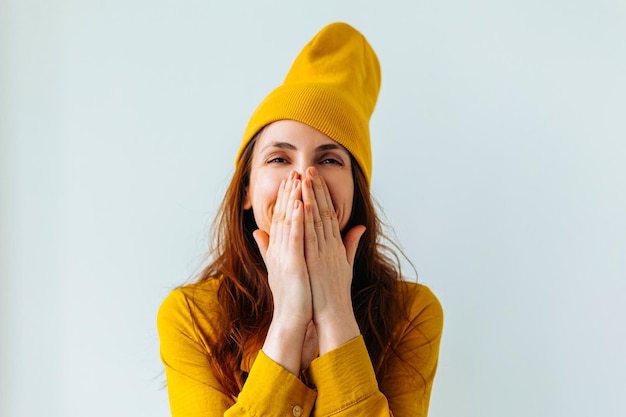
[(332, 86)]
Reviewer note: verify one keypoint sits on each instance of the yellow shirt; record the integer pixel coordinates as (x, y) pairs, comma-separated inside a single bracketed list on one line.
[(344, 379)]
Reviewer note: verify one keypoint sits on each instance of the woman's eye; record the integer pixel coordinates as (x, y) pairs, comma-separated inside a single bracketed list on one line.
[(331, 161), (277, 160)]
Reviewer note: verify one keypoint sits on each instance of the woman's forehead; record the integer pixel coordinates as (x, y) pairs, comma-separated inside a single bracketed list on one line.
[(292, 135)]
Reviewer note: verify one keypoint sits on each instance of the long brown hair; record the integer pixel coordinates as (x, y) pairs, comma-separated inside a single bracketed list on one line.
[(244, 294)]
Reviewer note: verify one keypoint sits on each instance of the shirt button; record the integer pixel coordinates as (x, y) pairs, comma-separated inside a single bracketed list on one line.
[(297, 411)]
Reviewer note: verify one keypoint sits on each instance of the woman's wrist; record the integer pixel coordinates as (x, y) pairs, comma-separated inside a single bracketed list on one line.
[(336, 330), (283, 344)]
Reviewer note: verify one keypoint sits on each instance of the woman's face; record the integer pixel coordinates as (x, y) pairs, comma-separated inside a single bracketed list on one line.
[(286, 146)]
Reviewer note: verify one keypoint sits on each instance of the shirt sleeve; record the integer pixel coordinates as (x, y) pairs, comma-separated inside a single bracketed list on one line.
[(193, 389), (346, 382), (411, 372)]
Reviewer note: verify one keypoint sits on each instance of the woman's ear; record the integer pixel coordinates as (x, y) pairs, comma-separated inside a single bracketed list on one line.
[(247, 204)]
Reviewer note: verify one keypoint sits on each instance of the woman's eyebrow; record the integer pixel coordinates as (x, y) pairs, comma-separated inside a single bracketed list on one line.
[(330, 146), (283, 145)]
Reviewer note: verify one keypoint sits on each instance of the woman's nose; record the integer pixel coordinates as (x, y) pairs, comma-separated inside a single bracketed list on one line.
[(301, 168)]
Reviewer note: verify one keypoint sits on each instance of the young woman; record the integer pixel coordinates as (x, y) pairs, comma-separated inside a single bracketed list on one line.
[(302, 311)]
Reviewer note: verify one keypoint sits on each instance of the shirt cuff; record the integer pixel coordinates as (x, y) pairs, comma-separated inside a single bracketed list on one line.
[(343, 377), (271, 390)]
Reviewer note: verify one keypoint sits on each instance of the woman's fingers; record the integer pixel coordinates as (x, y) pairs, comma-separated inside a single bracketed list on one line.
[(284, 257), (316, 194), (325, 205), (313, 227), (263, 241), (296, 229), (276, 226), (280, 209), (351, 242), (295, 194), (332, 226), (283, 208), (311, 239)]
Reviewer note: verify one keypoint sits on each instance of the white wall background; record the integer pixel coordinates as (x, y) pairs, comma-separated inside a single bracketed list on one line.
[(499, 151)]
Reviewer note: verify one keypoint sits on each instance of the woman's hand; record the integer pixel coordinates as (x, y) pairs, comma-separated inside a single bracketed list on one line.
[(283, 253), (309, 272), (329, 261)]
